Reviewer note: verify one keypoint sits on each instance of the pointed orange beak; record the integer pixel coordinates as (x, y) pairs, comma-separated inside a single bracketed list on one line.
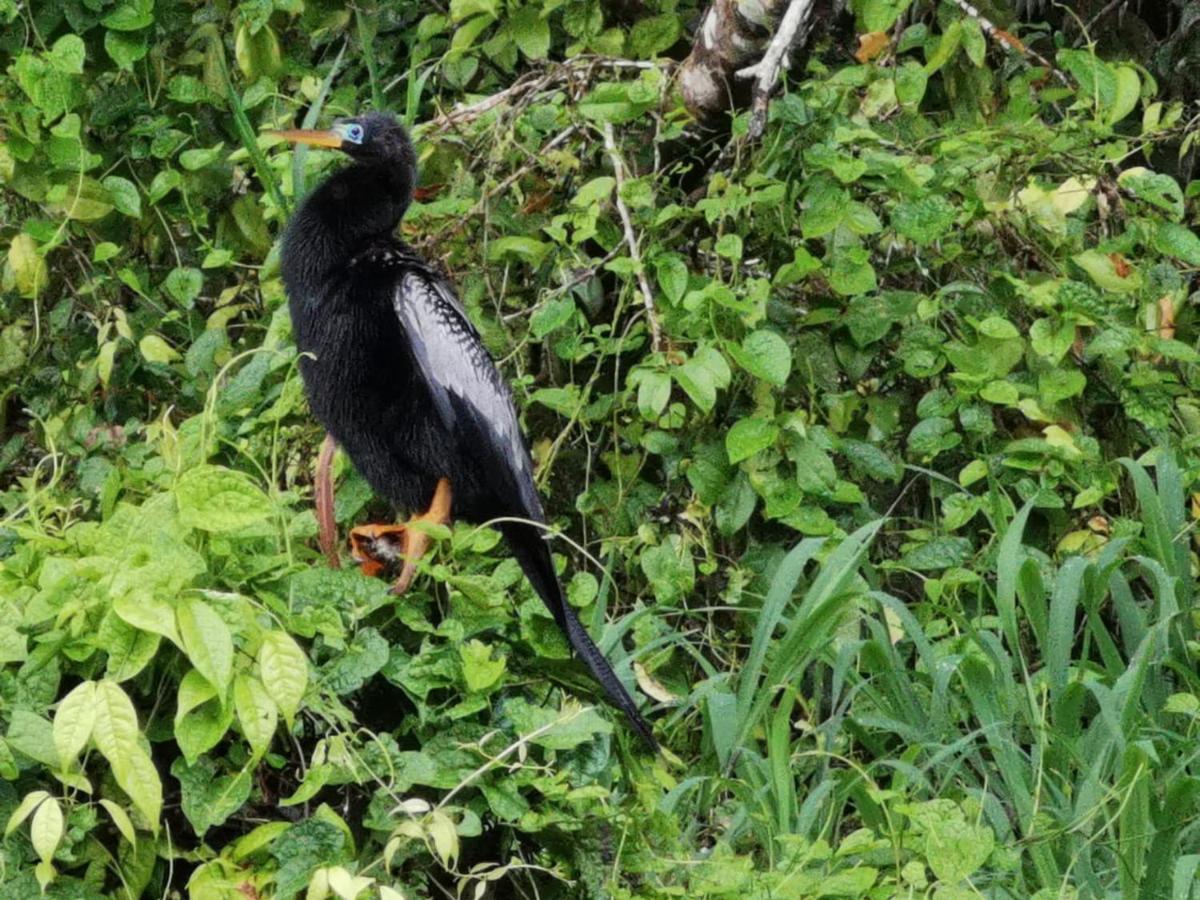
[(314, 138)]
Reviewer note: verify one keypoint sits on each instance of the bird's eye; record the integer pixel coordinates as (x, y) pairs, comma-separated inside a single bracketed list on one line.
[(354, 133)]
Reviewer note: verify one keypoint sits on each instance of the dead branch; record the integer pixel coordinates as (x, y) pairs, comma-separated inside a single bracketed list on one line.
[(635, 254), (765, 72), (732, 35)]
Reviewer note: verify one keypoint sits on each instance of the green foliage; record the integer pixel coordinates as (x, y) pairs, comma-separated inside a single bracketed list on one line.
[(893, 533)]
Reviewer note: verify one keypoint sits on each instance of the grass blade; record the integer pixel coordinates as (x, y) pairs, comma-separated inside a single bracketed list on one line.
[(248, 137), (782, 585), (300, 151), (1008, 564)]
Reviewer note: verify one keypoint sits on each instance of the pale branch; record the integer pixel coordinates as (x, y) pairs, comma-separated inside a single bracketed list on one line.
[(631, 241), (766, 70), (1000, 36)]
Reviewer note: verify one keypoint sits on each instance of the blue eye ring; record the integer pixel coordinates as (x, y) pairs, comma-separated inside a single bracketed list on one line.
[(352, 132)]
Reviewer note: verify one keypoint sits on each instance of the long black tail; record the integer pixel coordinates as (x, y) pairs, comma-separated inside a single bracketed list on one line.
[(531, 551)]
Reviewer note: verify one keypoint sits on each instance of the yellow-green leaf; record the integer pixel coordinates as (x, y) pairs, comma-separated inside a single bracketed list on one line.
[(206, 641), (46, 829), (156, 350), (256, 712), (26, 267), (121, 820), (284, 669), (73, 721)]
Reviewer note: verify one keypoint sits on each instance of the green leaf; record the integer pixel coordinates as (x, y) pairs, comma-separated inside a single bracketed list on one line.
[(946, 47), (46, 829), (284, 669), (73, 722), (68, 54), (1126, 95), (654, 392), (879, 15), (302, 849), (29, 272), (530, 31), (911, 82), (125, 48), (28, 804), (924, 221), (121, 819), (116, 735), (852, 272), (699, 383), (1103, 271), (672, 274), (156, 350), (1158, 190), (550, 315), (955, 849), (522, 249), (213, 498), (729, 246), (209, 795), (670, 569), (939, 553), (872, 460), (183, 285), (1178, 241), (256, 712), (163, 183), (747, 437), (206, 641), (617, 102), (130, 15), (33, 736), (198, 158), (766, 355), (148, 613), (652, 35), (556, 729), (124, 194), (81, 199), (479, 670)]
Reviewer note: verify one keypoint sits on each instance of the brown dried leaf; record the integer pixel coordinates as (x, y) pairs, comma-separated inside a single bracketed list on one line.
[(870, 45)]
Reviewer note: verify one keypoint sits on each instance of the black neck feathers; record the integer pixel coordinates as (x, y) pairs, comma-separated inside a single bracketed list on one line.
[(357, 205)]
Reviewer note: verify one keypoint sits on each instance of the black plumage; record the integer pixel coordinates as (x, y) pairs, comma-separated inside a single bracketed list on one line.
[(398, 375)]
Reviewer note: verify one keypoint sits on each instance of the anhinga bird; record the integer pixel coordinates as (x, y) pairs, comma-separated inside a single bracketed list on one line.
[(398, 375)]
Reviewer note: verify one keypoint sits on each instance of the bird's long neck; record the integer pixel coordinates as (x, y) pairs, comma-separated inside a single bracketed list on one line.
[(357, 205)]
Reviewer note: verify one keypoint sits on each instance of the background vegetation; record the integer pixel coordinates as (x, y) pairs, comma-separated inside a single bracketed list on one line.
[(894, 535)]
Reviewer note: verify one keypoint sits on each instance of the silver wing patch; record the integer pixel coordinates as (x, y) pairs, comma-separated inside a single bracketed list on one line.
[(471, 398)]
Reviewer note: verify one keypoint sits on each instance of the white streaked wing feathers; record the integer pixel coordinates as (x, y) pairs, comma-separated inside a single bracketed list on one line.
[(470, 395)]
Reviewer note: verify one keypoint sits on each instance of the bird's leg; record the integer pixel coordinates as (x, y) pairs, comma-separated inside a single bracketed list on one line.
[(323, 489), (374, 546), (416, 543)]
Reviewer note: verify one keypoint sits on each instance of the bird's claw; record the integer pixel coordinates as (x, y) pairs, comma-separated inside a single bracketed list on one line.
[(377, 548)]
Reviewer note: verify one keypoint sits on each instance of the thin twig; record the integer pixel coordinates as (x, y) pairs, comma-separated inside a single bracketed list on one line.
[(525, 169), (766, 70), (635, 254)]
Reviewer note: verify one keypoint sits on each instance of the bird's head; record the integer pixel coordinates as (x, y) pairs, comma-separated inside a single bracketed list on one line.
[(371, 138)]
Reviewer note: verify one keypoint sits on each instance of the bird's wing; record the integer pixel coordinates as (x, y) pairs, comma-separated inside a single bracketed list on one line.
[(471, 398)]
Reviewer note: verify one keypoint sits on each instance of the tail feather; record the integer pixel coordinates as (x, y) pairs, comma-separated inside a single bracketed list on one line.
[(534, 557)]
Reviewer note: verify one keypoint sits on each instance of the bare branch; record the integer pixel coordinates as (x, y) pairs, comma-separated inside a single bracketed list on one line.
[(766, 70), (635, 253)]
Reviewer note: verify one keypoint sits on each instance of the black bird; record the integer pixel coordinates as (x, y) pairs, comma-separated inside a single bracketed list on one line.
[(399, 377)]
